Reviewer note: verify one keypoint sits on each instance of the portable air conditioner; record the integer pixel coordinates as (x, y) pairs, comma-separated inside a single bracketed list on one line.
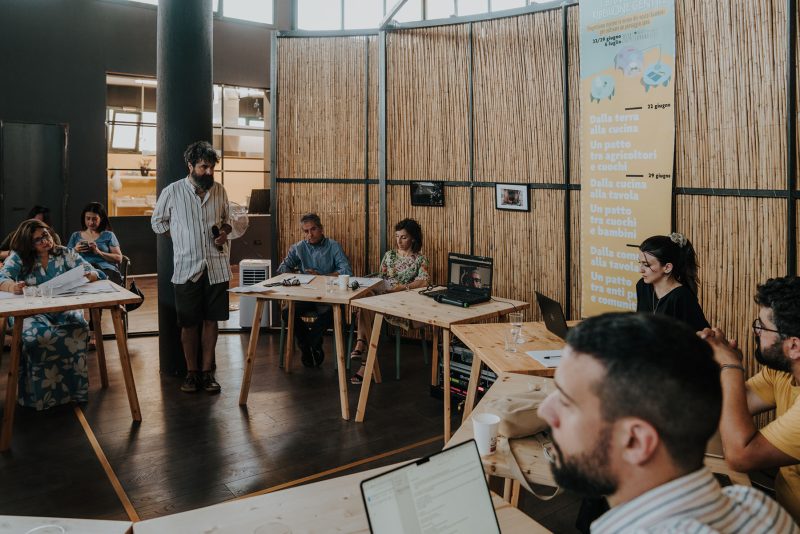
[(252, 272)]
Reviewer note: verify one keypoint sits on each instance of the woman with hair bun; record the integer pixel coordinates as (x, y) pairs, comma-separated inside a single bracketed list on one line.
[(668, 265)]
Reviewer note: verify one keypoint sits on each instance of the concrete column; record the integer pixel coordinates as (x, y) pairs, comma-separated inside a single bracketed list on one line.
[(185, 93)]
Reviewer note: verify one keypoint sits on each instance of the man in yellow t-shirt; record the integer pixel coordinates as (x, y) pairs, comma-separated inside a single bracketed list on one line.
[(777, 331)]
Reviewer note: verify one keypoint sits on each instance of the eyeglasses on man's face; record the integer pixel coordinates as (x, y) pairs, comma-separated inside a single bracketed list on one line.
[(42, 238), (758, 327)]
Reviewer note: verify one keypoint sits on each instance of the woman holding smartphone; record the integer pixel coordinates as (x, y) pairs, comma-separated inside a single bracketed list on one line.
[(96, 243)]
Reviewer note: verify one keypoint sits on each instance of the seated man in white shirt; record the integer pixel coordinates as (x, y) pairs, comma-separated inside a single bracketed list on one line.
[(638, 397)]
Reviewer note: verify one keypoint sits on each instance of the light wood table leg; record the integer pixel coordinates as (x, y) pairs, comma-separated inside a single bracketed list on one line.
[(11, 386), (287, 359), (251, 351), (125, 360), (515, 491), (371, 357), (507, 489), (342, 366), (435, 358), (98, 342), (446, 381), (472, 386)]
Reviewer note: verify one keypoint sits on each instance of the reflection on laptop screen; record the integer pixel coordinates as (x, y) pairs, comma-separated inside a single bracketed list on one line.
[(444, 493), (470, 272)]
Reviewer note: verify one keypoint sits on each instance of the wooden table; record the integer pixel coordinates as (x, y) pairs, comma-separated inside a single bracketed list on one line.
[(413, 306), (329, 506), (315, 291), (487, 343), (18, 308), (13, 524), (528, 451)]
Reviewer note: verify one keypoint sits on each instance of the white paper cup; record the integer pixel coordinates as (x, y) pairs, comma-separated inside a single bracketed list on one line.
[(484, 428), (344, 281)]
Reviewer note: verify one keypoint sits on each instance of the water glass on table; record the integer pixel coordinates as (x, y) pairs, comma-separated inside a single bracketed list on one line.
[(510, 336), (515, 319), (30, 293)]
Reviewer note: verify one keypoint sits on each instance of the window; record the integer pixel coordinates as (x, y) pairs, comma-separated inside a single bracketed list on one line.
[(251, 10), (472, 7), (360, 14), (240, 119), (320, 15)]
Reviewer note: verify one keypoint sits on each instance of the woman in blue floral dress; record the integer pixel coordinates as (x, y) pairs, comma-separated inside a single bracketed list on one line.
[(402, 269), (53, 362)]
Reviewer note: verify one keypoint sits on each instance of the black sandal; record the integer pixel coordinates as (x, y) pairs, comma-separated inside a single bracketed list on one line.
[(357, 354), (357, 379)]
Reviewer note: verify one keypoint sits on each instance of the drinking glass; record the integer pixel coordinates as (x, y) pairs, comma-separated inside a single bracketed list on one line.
[(515, 319), (510, 338), (332, 284), (29, 293), (47, 292)]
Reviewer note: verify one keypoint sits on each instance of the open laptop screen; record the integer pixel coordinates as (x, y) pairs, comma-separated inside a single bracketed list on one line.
[(470, 273), (443, 493)]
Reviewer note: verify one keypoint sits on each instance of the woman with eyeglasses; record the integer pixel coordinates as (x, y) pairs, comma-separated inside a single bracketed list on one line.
[(97, 243), (53, 364), (402, 269), (668, 265)]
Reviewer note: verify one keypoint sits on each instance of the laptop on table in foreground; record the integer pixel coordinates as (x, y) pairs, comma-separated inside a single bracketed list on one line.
[(443, 492), (469, 281)]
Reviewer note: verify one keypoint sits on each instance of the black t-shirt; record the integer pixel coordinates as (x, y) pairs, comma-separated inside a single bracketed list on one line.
[(679, 303)]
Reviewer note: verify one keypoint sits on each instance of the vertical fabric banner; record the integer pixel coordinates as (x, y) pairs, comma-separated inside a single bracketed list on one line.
[(627, 92)]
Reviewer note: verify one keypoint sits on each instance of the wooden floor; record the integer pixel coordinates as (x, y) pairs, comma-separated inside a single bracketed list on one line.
[(194, 450)]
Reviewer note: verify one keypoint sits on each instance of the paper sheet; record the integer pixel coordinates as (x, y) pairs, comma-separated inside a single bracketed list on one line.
[(304, 278), (255, 288), (548, 358), (100, 286), (67, 281), (365, 282)]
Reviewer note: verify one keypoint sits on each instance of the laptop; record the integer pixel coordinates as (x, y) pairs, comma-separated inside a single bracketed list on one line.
[(469, 281), (553, 315), (443, 492)]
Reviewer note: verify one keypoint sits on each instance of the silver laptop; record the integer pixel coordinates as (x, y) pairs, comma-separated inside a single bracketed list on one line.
[(444, 492)]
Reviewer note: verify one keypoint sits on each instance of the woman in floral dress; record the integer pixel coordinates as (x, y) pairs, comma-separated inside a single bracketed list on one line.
[(53, 362), (402, 269)]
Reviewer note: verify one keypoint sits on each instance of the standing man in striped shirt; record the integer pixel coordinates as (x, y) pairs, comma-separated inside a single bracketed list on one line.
[(637, 398), (194, 213)]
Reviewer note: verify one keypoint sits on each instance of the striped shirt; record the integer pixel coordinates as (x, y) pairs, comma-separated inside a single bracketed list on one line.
[(695, 503), (188, 219)]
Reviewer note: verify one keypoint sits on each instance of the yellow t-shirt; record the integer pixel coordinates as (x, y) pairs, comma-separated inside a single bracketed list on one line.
[(776, 388)]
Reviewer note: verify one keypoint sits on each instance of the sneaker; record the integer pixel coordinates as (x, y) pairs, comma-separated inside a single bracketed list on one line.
[(318, 355), (210, 384), (190, 383)]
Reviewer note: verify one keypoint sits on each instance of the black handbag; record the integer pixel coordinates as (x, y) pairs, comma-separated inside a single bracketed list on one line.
[(133, 289)]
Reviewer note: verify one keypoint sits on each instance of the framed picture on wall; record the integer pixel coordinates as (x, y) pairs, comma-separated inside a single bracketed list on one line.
[(427, 193), (513, 197)]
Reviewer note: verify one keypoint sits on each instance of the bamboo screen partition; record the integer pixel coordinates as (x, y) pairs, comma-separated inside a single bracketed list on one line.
[(327, 130), (519, 126), (499, 85), (427, 104)]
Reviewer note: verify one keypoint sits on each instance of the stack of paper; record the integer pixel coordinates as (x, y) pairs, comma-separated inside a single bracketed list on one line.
[(63, 283), (548, 358), (365, 282)]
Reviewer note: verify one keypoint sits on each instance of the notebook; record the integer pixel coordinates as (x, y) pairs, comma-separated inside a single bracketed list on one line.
[(443, 492), (469, 280), (553, 315)]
